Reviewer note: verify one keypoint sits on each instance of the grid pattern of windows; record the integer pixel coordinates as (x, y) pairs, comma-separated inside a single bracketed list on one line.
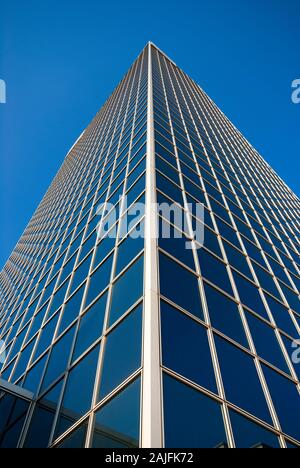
[(72, 306), (230, 310), (63, 317)]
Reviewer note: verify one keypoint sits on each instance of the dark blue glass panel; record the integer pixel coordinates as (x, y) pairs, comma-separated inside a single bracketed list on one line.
[(282, 317), (241, 381), (249, 295), (129, 249), (185, 347), (225, 315), (248, 434), (192, 420), (34, 376), (80, 274), (266, 343), (71, 309), (79, 392), (59, 358), (99, 280), (75, 440), (286, 399), (46, 336), (91, 327), (186, 293), (127, 290), (42, 420), (117, 424), (122, 352), (214, 270), (176, 244)]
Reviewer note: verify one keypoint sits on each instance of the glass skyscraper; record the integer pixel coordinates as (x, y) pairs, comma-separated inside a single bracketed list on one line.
[(121, 337)]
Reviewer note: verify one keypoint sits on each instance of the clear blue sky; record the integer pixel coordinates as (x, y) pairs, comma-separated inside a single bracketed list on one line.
[(62, 59)]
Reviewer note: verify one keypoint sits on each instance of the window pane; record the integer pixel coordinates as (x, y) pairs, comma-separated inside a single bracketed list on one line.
[(185, 347), (91, 327), (180, 286), (127, 290), (78, 393), (100, 279), (71, 310), (214, 270), (237, 260), (117, 424), (192, 420), (249, 295), (34, 376), (122, 352), (266, 343), (286, 399), (59, 358), (129, 249), (42, 420), (81, 274), (241, 382), (46, 337), (177, 247), (75, 440), (248, 434), (225, 315), (282, 317)]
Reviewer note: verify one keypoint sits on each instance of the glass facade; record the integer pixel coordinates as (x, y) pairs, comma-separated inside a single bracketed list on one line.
[(126, 340)]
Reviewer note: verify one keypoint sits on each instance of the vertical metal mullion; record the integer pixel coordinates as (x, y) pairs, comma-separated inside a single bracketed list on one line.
[(151, 423)]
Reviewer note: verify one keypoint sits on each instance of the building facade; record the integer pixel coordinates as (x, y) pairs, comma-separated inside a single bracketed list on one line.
[(117, 335)]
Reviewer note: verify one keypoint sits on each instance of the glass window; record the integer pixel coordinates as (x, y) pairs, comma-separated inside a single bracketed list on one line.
[(248, 434), (266, 281), (76, 439), (185, 347), (46, 337), (127, 290), (241, 381), (237, 260), (286, 400), (81, 274), (225, 315), (292, 299), (91, 326), (33, 377), (136, 190), (58, 299), (180, 286), (13, 415), (175, 243), (59, 358), (117, 424), (214, 270), (79, 392), (210, 240), (191, 419), (37, 322), (167, 187), (281, 316), (23, 361), (100, 279), (103, 249), (168, 170), (250, 296), (42, 420), (72, 309), (266, 342), (129, 249), (122, 352)]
